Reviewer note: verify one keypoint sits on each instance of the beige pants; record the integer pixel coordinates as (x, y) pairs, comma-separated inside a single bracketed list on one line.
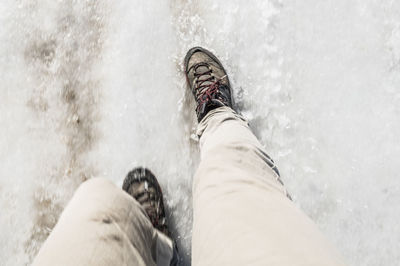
[(242, 215), (101, 226)]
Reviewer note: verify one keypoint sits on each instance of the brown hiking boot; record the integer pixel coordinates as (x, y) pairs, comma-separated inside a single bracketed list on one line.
[(142, 185), (208, 81)]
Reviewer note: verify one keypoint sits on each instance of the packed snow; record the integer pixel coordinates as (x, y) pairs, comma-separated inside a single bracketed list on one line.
[(95, 88)]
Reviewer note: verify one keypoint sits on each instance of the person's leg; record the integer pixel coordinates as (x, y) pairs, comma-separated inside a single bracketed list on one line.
[(103, 225), (242, 215)]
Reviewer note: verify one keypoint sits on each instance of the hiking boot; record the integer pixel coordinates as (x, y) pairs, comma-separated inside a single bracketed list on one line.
[(141, 184), (208, 81)]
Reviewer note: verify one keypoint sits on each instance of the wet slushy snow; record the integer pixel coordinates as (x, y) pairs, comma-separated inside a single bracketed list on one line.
[(95, 88)]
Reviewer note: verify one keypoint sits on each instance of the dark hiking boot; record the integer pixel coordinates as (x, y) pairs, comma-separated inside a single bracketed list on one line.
[(141, 184), (208, 81)]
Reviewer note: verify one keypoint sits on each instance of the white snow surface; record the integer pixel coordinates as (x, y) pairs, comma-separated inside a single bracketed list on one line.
[(95, 88)]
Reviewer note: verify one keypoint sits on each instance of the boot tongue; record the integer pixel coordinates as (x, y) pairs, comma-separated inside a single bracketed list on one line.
[(201, 69), (203, 78)]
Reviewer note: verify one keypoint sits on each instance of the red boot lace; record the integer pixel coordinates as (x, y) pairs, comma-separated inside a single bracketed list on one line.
[(205, 92)]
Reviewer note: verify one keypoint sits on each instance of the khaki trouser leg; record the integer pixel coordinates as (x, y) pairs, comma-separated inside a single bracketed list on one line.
[(103, 225), (242, 215)]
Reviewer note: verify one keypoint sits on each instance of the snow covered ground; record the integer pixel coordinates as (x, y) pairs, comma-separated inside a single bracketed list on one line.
[(95, 88)]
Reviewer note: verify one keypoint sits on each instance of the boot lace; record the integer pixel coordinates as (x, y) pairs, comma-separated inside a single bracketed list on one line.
[(206, 87), (151, 202), (142, 185)]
